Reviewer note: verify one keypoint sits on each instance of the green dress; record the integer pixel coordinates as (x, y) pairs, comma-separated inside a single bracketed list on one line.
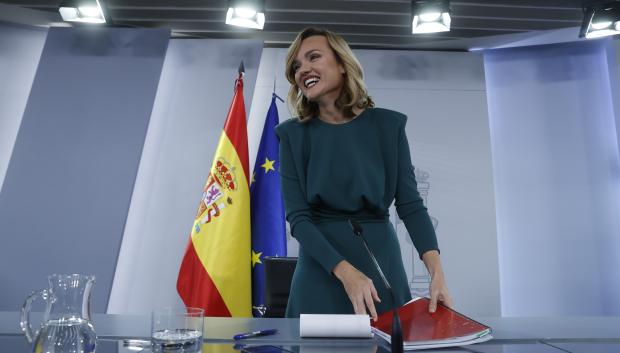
[(334, 172)]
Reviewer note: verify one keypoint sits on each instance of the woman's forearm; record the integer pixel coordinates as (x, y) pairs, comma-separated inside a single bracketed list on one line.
[(433, 263)]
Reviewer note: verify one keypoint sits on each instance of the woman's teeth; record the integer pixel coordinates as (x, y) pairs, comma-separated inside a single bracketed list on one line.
[(311, 81)]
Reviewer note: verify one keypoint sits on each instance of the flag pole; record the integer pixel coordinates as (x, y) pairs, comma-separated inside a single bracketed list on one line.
[(274, 94), (241, 68)]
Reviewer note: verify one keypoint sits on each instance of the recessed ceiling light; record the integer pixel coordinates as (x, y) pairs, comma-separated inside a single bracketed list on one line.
[(430, 16), (601, 20), (246, 13), (88, 11)]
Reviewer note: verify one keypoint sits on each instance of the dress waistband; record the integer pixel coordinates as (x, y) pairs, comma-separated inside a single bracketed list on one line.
[(362, 218)]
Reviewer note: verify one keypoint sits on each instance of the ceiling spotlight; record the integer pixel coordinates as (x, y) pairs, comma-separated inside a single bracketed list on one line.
[(430, 16), (246, 13), (600, 20), (88, 11)]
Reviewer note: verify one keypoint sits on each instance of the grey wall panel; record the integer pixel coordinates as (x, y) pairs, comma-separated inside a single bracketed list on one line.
[(67, 189)]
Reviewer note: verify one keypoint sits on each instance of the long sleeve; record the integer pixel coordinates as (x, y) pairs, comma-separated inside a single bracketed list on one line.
[(409, 205), (298, 211)]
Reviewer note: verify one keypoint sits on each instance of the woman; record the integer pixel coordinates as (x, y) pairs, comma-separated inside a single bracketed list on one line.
[(344, 159)]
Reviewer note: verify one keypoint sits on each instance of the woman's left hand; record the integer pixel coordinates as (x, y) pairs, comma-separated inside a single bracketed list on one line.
[(438, 287), (439, 293)]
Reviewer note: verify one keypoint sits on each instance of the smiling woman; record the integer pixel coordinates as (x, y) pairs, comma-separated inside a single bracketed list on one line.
[(342, 159)]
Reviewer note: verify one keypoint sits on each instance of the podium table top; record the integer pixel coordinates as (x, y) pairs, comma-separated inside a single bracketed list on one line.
[(522, 334)]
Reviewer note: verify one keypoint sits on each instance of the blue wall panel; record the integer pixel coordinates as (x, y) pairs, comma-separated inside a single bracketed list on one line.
[(68, 186)]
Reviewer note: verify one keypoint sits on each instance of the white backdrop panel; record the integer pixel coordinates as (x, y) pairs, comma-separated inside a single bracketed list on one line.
[(20, 51), (556, 167), (613, 60)]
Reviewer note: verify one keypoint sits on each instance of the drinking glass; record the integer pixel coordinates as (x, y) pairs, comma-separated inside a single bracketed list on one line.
[(177, 330)]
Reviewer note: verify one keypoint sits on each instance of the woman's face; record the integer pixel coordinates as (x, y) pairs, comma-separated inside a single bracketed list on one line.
[(317, 72)]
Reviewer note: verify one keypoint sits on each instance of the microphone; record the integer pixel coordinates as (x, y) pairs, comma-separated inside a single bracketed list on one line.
[(397, 331)]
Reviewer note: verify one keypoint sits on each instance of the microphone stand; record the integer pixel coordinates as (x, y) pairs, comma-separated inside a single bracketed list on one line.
[(397, 331)]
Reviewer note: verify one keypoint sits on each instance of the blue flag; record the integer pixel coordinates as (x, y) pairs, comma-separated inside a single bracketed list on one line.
[(266, 208)]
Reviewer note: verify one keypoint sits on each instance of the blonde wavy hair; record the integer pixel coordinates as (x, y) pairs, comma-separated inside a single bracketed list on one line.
[(354, 93)]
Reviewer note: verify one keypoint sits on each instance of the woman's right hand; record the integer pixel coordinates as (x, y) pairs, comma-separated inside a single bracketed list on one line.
[(359, 288)]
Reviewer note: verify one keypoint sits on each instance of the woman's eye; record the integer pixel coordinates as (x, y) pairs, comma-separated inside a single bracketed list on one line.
[(314, 56)]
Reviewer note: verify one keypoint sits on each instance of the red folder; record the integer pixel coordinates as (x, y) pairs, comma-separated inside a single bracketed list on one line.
[(421, 329)]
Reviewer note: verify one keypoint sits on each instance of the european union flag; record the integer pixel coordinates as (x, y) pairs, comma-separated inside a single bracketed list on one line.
[(266, 208)]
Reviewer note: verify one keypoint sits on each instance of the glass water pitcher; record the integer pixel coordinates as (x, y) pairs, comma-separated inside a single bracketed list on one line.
[(67, 325)]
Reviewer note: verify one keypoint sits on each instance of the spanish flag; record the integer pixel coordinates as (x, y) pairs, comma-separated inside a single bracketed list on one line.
[(215, 271)]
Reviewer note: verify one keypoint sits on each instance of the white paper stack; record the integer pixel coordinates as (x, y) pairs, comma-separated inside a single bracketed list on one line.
[(332, 325)]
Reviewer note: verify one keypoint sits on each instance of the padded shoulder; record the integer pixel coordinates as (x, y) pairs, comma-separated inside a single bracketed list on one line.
[(390, 123), (289, 128), (390, 117)]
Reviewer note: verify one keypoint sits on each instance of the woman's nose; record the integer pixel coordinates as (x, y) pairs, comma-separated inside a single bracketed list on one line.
[(304, 68)]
